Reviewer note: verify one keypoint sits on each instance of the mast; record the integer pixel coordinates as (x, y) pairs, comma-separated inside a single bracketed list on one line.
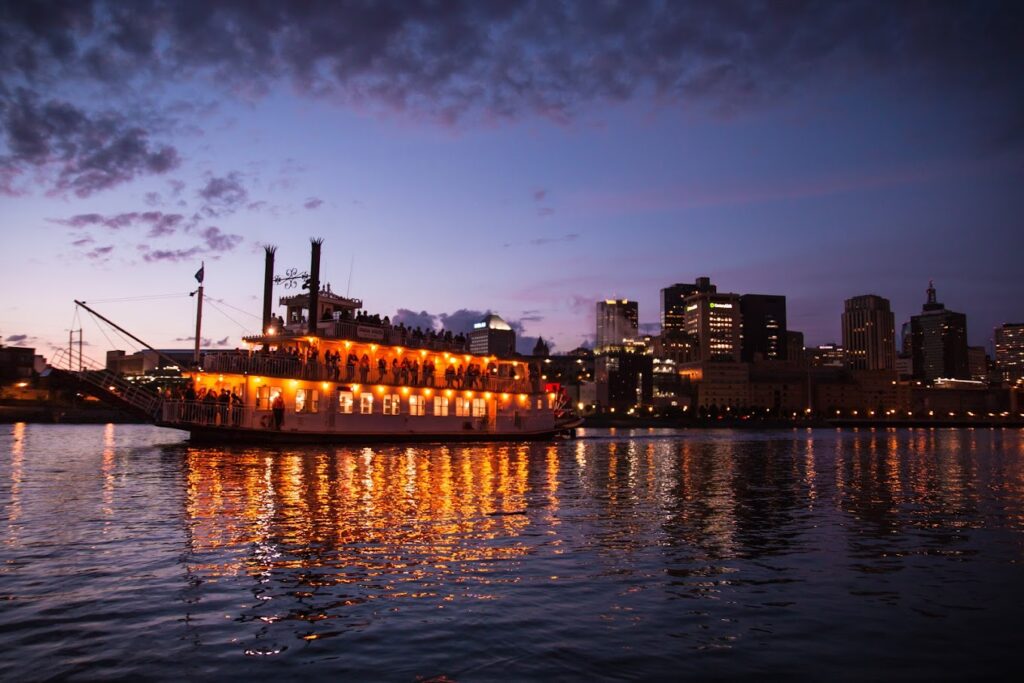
[(200, 274)]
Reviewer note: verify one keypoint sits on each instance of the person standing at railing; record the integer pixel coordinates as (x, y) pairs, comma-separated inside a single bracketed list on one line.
[(277, 407), (382, 369), (364, 368)]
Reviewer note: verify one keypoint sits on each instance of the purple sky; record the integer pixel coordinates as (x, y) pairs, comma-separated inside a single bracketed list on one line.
[(523, 157)]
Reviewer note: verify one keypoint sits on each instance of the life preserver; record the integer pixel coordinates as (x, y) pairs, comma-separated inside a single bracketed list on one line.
[(266, 421)]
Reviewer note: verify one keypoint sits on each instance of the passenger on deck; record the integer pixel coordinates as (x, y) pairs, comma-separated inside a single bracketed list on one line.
[(364, 368)]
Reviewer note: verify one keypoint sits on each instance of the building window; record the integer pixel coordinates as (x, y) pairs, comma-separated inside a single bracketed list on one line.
[(461, 406), (392, 404), (366, 403), (417, 405), (479, 407), (307, 401), (540, 404), (345, 402), (441, 406)]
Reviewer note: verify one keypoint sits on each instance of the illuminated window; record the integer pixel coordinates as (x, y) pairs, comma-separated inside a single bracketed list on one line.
[(540, 404), (417, 405), (345, 402), (461, 406), (392, 404), (366, 403), (307, 401), (263, 398), (479, 407), (441, 405)]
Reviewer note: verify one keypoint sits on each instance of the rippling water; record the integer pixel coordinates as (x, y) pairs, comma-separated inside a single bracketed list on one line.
[(649, 554)]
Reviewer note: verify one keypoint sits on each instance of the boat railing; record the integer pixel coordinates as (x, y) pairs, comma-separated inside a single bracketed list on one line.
[(241, 362), (206, 413), (376, 333)]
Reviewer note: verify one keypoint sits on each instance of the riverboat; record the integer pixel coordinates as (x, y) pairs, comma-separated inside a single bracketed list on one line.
[(327, 373)]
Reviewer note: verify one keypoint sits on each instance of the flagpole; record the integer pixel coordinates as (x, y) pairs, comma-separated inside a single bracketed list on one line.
[(199, 311)]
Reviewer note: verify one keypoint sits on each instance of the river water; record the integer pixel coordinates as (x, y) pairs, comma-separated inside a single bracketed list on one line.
[(648, 554)]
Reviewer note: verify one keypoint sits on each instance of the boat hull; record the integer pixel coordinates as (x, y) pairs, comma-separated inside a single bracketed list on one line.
[(219, 434)]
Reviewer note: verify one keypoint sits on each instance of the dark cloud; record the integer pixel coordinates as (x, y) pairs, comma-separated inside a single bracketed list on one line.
[(497, 60), (74, 150), (423, 320), (313, 203), (219, 241), (223, 195), (159, 224), (99, 253), (173, 255), (204, 342), (17, 338), (83, 241), (539, 195)]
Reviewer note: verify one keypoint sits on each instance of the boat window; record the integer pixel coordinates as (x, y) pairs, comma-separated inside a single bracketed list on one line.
[(540, 404), (345, 402), (366, 403), (416, 405), (479, 407), (263, 398), (392, 404), (441, 405), (461, 406), (307, 401)]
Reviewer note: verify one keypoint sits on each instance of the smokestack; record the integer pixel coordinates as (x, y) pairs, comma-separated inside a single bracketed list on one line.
[(314, 285), (268, 285)]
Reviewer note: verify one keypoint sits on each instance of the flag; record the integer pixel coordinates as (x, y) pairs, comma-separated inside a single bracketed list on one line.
[(200, 273)]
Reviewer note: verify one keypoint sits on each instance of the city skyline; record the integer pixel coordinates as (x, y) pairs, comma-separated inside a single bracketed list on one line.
[(529, 160)]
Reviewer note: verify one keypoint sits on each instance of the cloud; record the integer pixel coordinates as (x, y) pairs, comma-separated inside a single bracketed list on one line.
[(543, 211), (219, 241), (204, 342), (172, 255), (541, 241), (99, 253), (17, 338), (492, 61), (313, 203), (75, 151), (159, 223), (223, 195), (539, 195), (423, 320)]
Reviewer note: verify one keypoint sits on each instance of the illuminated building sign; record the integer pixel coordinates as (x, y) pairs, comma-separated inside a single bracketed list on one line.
[(692, 307), (714, 305)]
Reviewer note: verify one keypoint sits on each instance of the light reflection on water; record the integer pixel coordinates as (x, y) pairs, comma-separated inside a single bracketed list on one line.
[(646, 554)]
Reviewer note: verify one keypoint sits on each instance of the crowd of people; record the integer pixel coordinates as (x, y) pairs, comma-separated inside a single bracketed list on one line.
[(209, 406)]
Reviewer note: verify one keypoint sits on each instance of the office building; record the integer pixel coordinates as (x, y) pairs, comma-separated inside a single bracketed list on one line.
[(492, 335), (977, 363), (712, 323), (624, 377), (763, 321), (869, 333), (795, 347), (939, 342), (1009, 345), (617, 324), (677, 343)]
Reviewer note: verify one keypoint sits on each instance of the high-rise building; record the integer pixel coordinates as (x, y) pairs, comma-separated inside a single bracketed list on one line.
[(492, 335), (714, 320), (1009, 343), (617, 324), (678, 344), (764, 327), (623, 377), (977, 363), (869, 333), (939, 342), (795, 346), (826, 356)]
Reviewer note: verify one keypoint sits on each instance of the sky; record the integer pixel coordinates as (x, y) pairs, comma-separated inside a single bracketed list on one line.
[(525, 158)]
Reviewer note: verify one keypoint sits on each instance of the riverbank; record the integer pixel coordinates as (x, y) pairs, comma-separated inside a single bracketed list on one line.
[(607, 422), (64, 414)]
